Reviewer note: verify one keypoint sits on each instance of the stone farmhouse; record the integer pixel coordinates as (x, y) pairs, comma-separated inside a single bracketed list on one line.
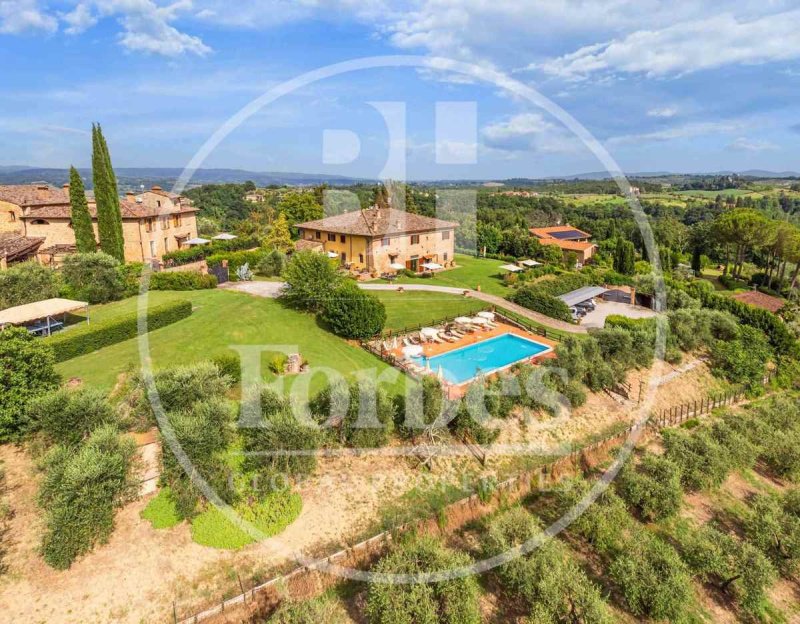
[(373, 239), (38, 218)]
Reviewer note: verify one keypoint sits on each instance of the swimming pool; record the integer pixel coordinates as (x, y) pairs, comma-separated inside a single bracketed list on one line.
[(487, 356)]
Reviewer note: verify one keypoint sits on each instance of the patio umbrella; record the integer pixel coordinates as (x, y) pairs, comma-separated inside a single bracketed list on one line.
[(197, 241), (432, 266), (513, 268), (478, 320), (429, 332), (462, 320), (397, 266), (412, 351), (487, 315), (333, 254), (224, 236)]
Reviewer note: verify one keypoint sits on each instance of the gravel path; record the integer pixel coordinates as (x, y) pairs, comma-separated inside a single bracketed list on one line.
[(273, 289)]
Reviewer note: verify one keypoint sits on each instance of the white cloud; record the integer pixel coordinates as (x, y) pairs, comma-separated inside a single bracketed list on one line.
[(685, 131), (79, 19), (685, 47), (20, 16), (743, 144), (528, 132), (664, 112)]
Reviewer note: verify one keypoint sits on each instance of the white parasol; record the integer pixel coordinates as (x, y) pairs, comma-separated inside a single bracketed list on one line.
[(397, 266), (487, 315), (462, 320), (478, 320), (429, 332), (333, 254)]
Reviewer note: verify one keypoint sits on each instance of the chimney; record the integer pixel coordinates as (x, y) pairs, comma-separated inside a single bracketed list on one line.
[(65, 186), (155, 187), (130, 196), (42, 187)]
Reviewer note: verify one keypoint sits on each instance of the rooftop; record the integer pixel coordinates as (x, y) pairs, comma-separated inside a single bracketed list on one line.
[(15, 246), (560, 232), (129, 210), (582, 294), (33, 194), (569, 245), (377, 222)]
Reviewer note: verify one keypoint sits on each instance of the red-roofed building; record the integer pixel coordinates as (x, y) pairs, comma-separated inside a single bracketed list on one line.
[(569, 239), (760, 300)]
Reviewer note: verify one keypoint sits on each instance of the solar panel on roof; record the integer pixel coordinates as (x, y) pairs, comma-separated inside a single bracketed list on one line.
[(568, 234)]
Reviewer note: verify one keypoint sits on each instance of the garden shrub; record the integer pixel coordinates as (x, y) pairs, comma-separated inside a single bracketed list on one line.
[(91, 337), (536, 299), (203, 432), (26, 372), (702, 461), (470, 416), (160, 512), (310, 279), (27, 282), (93, 277), (353, 313), (229, 365), (182, 280), (781, 453), (272, 264), (279, 430), (237, 259), (731, 565), (198, 252), (453, 601), (131, 275), (81, 490), (653, 487), (321, 610), (552, 585), (68, 417), (773, 526), (269, 516), (653, 579)]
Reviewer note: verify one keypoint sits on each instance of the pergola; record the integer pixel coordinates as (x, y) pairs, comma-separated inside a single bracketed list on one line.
[(44, 312)]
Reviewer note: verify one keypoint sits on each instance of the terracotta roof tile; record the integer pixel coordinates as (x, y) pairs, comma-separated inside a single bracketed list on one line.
[(33, 194), (568, 245), (547, 232), (377, 222), (129, 210), (313, 245), (15, 246)]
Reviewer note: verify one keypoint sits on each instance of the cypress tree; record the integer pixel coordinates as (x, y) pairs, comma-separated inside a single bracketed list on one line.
[(81, 220), (109, 217)]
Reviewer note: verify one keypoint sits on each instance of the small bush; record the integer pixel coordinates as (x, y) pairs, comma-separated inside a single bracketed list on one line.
[(272, 264), (362, 412), (88, 338), (181, 280), (447, 602), (160, 511), (69, 416), (270, 517), (93, 277), (353, 313), (229, 365)]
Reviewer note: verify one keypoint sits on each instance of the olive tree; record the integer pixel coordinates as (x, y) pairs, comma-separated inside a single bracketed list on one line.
[(653, 487)]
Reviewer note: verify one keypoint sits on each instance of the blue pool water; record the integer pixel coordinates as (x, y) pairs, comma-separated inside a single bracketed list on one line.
[(484, 357)]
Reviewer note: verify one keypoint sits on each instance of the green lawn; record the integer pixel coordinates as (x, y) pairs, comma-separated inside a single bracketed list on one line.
[(413, 308), (470, 273), (222, 319), (731, 192)]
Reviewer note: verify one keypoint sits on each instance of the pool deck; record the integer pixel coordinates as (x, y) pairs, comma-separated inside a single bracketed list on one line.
[(431, 349)]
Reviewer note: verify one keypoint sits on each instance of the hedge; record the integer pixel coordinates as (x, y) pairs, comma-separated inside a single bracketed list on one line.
[(533, 298), (181, 280), (88, 338), (193, 254), (236, 259)]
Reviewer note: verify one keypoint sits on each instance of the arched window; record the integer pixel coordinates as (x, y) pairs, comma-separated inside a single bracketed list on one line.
[(40, 222)]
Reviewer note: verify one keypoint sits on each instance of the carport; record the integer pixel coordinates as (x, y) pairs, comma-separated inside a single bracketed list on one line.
[(39, 317), (582, 295)]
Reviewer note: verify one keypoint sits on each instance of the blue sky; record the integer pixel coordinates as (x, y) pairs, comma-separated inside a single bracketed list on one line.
[(680, 86)]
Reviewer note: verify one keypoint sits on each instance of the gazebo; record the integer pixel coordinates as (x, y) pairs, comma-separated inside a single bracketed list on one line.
[(39, 317)]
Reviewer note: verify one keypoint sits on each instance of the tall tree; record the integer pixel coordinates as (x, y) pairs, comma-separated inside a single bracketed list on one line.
[(81, 219), (279, 236), (624, 257), (109, 217)]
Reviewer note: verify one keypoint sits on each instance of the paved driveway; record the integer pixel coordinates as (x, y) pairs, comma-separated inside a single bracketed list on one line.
[(259, 289), (597, 318)]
